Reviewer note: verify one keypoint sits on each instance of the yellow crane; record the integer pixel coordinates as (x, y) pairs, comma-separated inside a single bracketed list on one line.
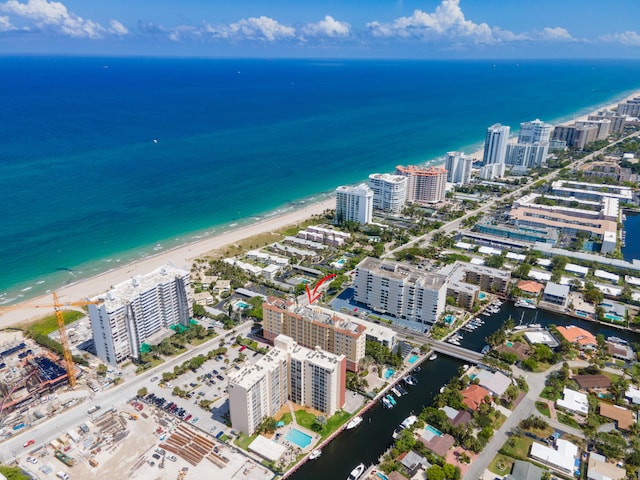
[(64, 340)]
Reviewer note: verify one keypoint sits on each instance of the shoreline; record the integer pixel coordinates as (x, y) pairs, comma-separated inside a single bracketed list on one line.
[(183, 254)]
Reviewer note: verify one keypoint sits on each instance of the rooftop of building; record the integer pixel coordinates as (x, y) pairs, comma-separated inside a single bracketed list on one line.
[(624, 418), (600, 469), (388, 177), (127, 291), (575, 334), (401, 271), (360, 189), (456, 271), (418, 170)]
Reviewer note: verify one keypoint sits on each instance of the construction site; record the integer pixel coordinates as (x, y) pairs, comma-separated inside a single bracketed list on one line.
[(140, 442)]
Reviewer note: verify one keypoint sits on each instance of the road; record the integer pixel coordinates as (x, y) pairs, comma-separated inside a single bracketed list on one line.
[(455, 224), (60, 424)]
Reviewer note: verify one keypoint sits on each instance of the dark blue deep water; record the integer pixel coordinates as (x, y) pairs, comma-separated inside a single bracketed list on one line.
[(83, 185)]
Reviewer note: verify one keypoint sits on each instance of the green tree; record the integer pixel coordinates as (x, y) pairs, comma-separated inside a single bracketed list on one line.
[(102, 369), (435, 472), (142, 392)]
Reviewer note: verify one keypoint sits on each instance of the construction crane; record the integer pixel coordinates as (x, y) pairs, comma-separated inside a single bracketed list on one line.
[(64, 340)]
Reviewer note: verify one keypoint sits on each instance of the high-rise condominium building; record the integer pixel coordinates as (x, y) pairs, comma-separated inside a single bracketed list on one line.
[(402, 291), (140, 311), (458, 167), (495, 144), (424, 184), (535, 131), (389, 191), (354, 204), (312, 327), (308, 377)]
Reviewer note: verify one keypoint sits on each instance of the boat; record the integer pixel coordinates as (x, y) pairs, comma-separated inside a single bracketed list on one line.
[(441, 389), (315, 454), (391, 399), (433, 356), (617, 340), (486, 314), (395, 391), (387, 404), (357, 472), (401, 389), (354, 422), (485, 349), (410, 380), (397, 431), (409, 421), (535, 325), (525, 304)]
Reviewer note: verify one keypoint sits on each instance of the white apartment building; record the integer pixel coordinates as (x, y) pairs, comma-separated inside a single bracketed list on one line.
[(534, 132), (458, 167), (528, 155), (400, 290), (354, 204), (425, 185), (312, 378), (492, 170), (140, 311), (495, 144), (389, 191)]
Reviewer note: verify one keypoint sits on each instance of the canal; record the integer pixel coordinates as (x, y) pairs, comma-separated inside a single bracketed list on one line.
[(367, 442)]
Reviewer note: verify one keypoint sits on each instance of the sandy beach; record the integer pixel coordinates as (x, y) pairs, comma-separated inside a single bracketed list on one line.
[(180, 256)]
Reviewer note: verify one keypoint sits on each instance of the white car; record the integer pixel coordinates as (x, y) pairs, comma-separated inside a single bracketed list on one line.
[(171, 457), (32, 460)]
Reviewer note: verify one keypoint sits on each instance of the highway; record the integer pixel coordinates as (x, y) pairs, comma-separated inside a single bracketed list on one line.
[(48, 430)]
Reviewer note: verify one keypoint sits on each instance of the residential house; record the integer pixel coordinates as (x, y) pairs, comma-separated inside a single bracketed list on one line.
[(524, 471), (474, 395), (439, 443), (562, 458), (573, 401), (600, 469), (496, 382), (593, 382), (556, 294), (530, 288), (579, 336), (624, 418), (413, 462)]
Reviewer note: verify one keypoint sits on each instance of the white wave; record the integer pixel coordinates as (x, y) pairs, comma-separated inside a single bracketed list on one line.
[(40, 282), (26, 289)]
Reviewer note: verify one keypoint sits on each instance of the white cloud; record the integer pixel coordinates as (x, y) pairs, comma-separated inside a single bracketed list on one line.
[(555, 33), (5, 24), (328, 27), (117, 28), (628, 38), (447, 21), (46, 14), (254, 28)]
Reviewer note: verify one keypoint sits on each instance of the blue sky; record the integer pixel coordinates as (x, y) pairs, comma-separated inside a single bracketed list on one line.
[(328, 28)]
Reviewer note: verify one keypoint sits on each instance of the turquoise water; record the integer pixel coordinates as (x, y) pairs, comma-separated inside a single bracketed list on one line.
[(388, 372), (382, 476), (342, 261), (413, 358), (614, 317), (301, 439), (482, 296), (449, 319), (242, 304), (509, 344), (95, 191), (581, 314), (433, 430)]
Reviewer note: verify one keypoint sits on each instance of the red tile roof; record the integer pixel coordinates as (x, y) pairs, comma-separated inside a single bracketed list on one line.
[(473, 396)]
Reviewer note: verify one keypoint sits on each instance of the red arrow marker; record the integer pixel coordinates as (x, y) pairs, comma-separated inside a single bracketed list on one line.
[(312, 296)]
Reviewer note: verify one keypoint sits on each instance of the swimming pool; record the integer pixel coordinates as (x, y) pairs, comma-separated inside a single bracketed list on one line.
[(449, 319), (301, 439), (241, 304), (413, 359), (342, 261), (382, 476), (388, 372), (433, 430), (482, 296), (581, 314), (509, 344), (614, 317)]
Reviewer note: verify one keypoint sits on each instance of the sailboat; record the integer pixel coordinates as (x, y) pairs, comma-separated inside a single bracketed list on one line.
[(520, 326), (535, 325)]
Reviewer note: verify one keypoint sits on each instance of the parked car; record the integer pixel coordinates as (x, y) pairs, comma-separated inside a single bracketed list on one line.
[(28, 443), (32, 460)]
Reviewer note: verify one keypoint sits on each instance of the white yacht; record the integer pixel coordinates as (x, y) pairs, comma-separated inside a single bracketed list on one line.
[(357, 472), (315, 454), (354, 422)]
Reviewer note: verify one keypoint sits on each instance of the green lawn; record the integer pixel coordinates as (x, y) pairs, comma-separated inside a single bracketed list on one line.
[(550, 394), (286, 418), (543, 408), (306, 420), (244, 440), (501, 465), (499, 420), (567, 420), (49, 323), (517, 447)]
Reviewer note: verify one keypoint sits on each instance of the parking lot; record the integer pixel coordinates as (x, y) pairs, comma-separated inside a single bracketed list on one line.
[(209, 382)]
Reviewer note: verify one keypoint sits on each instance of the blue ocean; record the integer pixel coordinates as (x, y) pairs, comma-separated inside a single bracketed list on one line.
[(105, 160)]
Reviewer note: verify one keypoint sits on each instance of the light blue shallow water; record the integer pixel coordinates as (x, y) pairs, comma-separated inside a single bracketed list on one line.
[(301, 439), (85, 188)]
